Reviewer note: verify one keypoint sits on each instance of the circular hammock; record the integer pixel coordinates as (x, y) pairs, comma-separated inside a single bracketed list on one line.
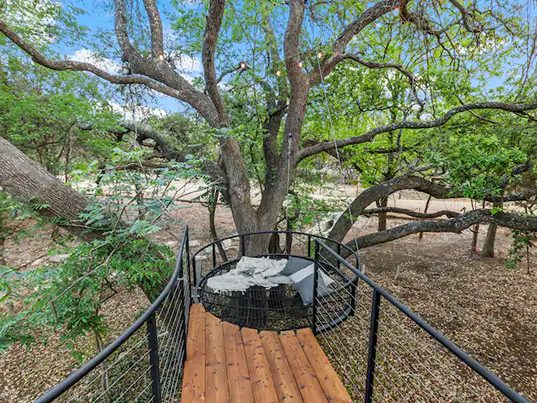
[(282, 306)]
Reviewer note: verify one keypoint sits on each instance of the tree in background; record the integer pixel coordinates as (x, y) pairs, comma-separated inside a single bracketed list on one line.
[(286, 51)]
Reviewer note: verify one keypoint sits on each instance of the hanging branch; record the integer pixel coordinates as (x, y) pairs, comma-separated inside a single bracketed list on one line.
[(413, 125)]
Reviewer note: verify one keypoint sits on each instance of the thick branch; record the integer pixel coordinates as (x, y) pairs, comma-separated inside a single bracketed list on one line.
[(291, 45), (411, 213), (455, 225), (181, 89), (425, 124), (384, 189), (367, 17), (120, 25), (144, 132), (212, 30), (155, 24)]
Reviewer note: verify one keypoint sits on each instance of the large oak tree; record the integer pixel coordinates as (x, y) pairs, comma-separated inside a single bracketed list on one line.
[(315, 39)]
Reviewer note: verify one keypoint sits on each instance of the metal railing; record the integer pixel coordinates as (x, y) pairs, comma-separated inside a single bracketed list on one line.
[(233, 247), (146, 362), (382, 350), (386, 352), (278, 308)]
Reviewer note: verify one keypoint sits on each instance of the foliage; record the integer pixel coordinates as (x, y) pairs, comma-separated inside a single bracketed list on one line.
[(523, 241), (68, 298)]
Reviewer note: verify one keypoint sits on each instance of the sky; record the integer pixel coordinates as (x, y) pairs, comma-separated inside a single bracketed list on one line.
[(99, 16)]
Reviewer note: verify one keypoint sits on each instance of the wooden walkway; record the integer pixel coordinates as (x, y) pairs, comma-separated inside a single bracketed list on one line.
[(229, 364)]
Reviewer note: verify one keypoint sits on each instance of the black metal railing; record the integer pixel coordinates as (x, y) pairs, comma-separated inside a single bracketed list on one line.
[(386, 352), (279, 308), (145, 363)]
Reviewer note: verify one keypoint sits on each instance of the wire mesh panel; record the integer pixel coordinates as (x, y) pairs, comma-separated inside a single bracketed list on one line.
[(123, 376), (346, 345), (385, 352), (145, 363), (411, 365)]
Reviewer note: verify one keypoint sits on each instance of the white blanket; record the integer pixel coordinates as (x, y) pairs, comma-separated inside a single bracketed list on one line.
[(248, 272)]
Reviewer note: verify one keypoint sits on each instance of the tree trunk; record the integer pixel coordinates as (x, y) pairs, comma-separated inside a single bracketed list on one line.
[(425, 210), (475, 232), (383, 215), (30, 183), (488, 246), (490, 239)]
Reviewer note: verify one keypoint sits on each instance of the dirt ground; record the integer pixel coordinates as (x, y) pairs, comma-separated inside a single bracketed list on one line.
[(487, 309)]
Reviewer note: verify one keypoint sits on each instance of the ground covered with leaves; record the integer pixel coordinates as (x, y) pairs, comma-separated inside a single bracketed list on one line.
[(478, 303)]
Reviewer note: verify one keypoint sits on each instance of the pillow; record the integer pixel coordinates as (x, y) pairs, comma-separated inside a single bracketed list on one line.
[(295, 264), (303, 281)]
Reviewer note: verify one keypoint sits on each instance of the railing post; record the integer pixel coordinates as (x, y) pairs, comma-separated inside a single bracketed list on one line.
[(315, 281), (194, 283), (339, 253), (309, 245), (152, 340), (370, 376), (213, 251), (243, 247)]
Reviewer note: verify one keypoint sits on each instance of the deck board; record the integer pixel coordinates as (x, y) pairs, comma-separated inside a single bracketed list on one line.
[(240, 387), (326, 375), (309, 386), (260, 375), (228, 364), (284, 381), (216, 381)]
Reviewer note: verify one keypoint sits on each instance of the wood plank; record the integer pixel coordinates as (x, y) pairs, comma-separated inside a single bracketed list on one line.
[(284, 382), (240, 388), (258, 367), (196, 332), (324, 371), (187, 393), (306, 380), (216, 383), (194, 372)]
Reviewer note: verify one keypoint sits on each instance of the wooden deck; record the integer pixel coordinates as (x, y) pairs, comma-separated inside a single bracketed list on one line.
[(229, 364)]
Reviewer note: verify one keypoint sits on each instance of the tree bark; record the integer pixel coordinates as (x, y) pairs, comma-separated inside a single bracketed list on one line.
[(488, 246), (490, 239), (30, 183), (454, 225), (383, 216)]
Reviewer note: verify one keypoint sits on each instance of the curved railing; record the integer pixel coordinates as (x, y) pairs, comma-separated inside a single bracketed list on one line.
[(386, 352), (145, 363), (277, 311)]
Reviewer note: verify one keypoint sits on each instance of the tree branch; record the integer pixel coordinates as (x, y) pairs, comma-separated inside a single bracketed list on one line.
[(455, 225), (367, 17), (413, 80), (414, 125), (155, 24), (291, 44), (120, 25), (212, 30), (411, 213), (176, 86), (386, 188)]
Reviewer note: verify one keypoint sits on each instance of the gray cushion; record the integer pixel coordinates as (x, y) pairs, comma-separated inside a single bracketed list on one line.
[(303, 281), (295, 264)]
